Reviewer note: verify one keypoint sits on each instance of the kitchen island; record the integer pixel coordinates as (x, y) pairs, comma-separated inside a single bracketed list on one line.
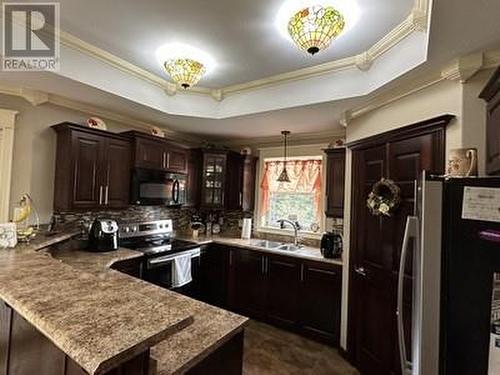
[(96, 320)]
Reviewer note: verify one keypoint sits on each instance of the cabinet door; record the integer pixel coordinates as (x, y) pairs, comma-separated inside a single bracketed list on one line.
[(116, 174), (335, 177), (283, 289), (320, 300), (250, 283), (214, 275), (249, 174), (177, 160), (87, 154), (233, 198), (214, 168), (150, 154)]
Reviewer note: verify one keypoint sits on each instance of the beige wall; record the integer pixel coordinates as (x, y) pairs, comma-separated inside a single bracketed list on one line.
[(35, 149), (468, 129)]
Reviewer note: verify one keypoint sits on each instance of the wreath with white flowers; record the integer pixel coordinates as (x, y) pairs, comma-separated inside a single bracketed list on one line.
[(384, 198)]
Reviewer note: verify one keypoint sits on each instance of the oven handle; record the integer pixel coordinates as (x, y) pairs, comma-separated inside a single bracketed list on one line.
[(168, 258)]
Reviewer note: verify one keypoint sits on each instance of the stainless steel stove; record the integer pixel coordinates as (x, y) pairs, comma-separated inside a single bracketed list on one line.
[(154, 239)]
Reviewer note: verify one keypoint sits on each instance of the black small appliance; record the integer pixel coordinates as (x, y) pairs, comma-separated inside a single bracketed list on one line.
[(331, 245), (103, 235)]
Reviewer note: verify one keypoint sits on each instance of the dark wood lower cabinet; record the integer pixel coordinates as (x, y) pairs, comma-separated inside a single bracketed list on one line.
[(226, 360), (321, 301), (296, 294), (283, 290)]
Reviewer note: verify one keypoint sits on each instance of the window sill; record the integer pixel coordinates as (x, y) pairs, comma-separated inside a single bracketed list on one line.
[(290, 233)]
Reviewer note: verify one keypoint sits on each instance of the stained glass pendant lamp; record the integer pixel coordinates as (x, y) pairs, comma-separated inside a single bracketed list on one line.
[(313, 28), (283, 177), (185, 64), (185, 72)]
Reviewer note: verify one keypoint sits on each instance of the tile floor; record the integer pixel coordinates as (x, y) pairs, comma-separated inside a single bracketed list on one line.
[(269, 350)]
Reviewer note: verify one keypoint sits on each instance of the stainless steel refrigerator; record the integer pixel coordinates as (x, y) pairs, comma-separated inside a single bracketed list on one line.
[(453, 239)]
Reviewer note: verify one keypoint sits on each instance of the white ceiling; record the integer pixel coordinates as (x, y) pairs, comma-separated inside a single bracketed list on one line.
[(240, 34), (458, 27)]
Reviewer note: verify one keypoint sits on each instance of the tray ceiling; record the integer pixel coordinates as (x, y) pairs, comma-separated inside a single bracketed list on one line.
[(241, 35)]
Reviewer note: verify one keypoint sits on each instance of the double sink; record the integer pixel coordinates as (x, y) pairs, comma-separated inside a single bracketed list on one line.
[(273, 245)]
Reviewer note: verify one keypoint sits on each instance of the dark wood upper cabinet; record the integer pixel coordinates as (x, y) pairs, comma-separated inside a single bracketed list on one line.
[(92, 168), (157, 153), (228, 180), (335, 178), (249, 176), (491, 94)]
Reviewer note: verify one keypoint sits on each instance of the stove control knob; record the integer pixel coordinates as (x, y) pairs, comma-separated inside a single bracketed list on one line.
[(126, 229)]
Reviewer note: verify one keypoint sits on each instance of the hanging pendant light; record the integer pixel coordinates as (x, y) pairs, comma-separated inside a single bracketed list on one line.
[(283, 177)]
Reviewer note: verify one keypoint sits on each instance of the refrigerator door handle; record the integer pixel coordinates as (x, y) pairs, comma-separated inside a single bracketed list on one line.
[(411, 232)]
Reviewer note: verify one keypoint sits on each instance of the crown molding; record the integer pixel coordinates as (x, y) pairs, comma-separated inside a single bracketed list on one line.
[(294, 139), (417, 20), (35, 97), (462, 69)]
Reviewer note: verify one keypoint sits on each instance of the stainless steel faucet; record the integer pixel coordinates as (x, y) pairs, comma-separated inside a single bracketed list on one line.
[(296, 227)]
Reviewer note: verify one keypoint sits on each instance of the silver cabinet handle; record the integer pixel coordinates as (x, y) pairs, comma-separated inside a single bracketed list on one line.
[(164, 160), (106, 194), (361, 271), (411, 231), (167, 164), (302, 272), (100, 195), (241, 198)]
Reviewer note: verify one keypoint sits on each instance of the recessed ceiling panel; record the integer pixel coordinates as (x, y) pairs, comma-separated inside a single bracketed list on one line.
[(240, 35)]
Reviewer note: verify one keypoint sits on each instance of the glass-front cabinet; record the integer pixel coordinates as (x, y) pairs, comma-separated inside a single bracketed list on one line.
[(214, 176)]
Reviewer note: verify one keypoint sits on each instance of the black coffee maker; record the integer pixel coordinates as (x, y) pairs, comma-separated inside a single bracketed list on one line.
[(331, 245), (103, 235)]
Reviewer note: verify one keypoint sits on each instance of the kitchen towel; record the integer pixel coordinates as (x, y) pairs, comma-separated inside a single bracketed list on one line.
[(181, 270), (246, 230)]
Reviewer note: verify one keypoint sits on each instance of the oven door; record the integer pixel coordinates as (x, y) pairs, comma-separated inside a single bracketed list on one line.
[(151, 188), (159, 270)]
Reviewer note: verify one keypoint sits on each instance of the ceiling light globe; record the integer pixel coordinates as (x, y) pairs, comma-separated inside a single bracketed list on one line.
[(185, 72), (313, 28)]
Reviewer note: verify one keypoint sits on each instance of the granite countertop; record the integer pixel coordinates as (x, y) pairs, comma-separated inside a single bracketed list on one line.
[(307, 252), (210, 328), (99, 319)]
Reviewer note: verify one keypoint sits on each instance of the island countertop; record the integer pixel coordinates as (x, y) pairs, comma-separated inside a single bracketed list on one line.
[(211, 327), (98, 320)]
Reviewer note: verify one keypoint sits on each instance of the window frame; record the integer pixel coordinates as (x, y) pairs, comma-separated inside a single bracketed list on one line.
[(294, 153)]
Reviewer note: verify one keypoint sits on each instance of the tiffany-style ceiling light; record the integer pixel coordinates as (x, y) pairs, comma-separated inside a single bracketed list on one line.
[(186, 72), (313, 28)]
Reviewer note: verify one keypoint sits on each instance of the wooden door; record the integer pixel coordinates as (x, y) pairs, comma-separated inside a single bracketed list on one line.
[(177, 160), (116, 173), (335, 178), (320, 299), (250, 283), (377, 243), (150, 153), (87, 155), (283, 291)]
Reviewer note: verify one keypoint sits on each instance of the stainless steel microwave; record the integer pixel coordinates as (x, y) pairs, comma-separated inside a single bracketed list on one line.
[(155, 188)]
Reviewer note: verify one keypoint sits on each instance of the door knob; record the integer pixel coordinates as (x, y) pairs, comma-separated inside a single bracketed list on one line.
[(361, 271)]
